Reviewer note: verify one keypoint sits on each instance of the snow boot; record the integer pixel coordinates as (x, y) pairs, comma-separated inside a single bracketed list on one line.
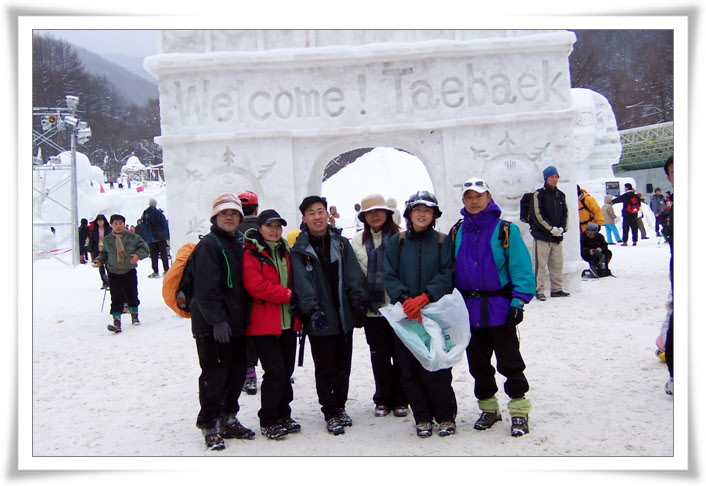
[(115, 326), (236, 430), (250, 385), (400, 411), (520, 426), (447, 428), (541, 297), (486, 420), (290, 425), (382, 411), (669, 386), (214, 442), (334, 427), (424, 429), (135, 319), (560, 293), (274, 431), (344, 418)]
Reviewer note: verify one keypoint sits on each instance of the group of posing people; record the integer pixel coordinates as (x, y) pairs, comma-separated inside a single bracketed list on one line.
[(267, 292)]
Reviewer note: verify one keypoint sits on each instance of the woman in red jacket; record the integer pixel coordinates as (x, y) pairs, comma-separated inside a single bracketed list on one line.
[(267, 277)]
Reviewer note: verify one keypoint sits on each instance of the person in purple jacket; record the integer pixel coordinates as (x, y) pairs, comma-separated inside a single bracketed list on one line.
[(494, 274)]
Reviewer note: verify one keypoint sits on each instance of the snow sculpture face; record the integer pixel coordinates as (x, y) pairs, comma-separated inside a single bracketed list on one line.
[(596, 139), (512, 175)]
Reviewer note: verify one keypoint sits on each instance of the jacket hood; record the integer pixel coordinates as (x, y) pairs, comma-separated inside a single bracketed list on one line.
[(608, 199), (254, 238)]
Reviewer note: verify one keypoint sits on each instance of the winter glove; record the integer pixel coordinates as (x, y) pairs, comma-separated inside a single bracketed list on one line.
[(515, 316), (359, 312), (557, 231), (318, 319), (413, 306), (222, 332)]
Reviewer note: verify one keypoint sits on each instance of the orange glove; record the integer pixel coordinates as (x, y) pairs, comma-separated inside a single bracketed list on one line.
[(413, 306)]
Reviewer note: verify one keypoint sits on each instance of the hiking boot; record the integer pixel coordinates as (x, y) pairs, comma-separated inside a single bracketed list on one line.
[(399, 411), (424, 429), (624, 243), (274, 431), (447, 428), (290, 425), (344, 418), (333, 425), (115, 326), (486, 420), (214, 442), (250, 386), (669, 386), (520, 426), (382, 411), (135, 319), (560, 293), (541, 297), (236, 430)]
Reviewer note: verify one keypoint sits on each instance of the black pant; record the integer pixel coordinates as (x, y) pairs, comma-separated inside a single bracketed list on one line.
[(430, 393), (221, 380), (503, 341), (101, 270), (250, 353), (158, 249), (628, 224), (123, 289), (277, 356), (669, 346), (332, 370), (385, 365)]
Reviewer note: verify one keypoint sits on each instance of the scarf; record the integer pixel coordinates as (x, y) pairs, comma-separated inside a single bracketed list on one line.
[(376, 260), (122, 254), (280, 262)]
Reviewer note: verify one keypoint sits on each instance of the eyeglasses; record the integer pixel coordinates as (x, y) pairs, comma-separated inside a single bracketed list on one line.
[(476, 183), (229, 213)]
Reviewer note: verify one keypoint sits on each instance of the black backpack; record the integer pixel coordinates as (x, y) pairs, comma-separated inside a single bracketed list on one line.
[(526, 207)]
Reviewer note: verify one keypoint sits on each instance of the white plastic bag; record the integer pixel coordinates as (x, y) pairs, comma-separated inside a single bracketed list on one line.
[(440, 340)]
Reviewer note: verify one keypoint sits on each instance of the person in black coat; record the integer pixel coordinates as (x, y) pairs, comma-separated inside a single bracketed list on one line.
[(83, 240), (98, 229), (629, 218), (218, 321), (157, 234), (594, 249)]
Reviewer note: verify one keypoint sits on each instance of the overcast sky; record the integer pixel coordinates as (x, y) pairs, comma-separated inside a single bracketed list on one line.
[(139, 43)]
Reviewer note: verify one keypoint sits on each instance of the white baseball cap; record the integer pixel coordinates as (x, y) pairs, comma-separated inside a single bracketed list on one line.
[(475, 184)]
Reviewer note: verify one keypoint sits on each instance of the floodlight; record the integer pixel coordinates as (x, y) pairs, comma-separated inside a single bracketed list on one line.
[(45, 124), (82, 124), (72, 102), (83, 135), (54, 160), (73, 121)]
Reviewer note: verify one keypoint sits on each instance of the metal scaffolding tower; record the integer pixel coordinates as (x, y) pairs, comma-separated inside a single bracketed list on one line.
[(55, 121), (646, 147)]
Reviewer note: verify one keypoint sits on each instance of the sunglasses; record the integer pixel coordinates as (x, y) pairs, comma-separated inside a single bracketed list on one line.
[(476, 183)]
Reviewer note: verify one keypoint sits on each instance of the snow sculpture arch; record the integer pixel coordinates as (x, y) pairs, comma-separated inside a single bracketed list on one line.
[(267, 110)]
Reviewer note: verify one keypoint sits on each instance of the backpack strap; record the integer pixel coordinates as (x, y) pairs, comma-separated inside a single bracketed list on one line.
[(229, 279), (504, 233)]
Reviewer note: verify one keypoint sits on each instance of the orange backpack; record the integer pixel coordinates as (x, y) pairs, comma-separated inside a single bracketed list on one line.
[(172, 279)]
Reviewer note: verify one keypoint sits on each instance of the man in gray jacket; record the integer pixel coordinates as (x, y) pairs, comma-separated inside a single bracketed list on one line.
[(330, 287)]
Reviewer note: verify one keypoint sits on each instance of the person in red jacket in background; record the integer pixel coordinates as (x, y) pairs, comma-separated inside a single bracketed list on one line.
[(267, 276)]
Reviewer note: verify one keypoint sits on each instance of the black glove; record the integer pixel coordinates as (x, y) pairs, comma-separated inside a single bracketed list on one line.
[(221, 332), (318, 319), (515, 316), (359, 312)]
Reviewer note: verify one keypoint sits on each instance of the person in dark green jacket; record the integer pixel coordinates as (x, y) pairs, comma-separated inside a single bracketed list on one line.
[(120, 253), (419, 270), (331, 290)]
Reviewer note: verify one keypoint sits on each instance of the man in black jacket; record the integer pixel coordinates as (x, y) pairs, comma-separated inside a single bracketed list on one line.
[(594, 249), (218, 313), (549, 219), (629, 200)]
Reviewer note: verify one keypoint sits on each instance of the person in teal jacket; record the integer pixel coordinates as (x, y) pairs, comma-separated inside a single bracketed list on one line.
[(493, 271), (419, 269)]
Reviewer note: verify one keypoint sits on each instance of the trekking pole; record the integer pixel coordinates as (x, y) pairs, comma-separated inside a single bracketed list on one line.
[(302, 341), (103, 304)]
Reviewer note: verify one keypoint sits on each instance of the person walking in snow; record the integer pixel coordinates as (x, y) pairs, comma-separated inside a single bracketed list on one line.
[(331, 290), (157, 231), (120, 254), (251, 206), (549, 218), (629, 215), (98, 230), (267, 277), (419, 270), (218, 320), (369, 246), (493, 272), (609, 220), (657, 205)]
